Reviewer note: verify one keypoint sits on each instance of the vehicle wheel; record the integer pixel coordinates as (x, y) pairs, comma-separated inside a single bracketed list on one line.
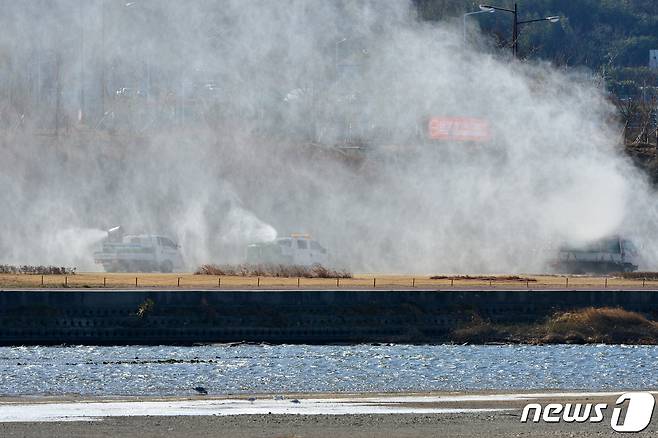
[(167, 266)]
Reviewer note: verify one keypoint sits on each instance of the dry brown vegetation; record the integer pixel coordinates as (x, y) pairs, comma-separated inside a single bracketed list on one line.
[(483, 277), (479, 331), (273, 270), (36, 270), (639, 275), (589, 325), (601, 325)]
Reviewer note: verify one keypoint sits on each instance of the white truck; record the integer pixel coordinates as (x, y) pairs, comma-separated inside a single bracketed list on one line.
[(298, 249), (611, 254), (138, 253)]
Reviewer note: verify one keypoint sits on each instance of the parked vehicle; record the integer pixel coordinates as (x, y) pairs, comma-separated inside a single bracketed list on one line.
[(298, 249), (611, 254), (138, 253)]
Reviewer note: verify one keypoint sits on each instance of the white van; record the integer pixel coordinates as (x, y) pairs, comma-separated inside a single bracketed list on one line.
[(298, 249), (140, 253)]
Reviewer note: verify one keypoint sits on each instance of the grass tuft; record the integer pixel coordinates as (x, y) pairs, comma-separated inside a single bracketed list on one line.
[(272, 270), (36, 270), (590, 325), (638, 275), (604, 324)]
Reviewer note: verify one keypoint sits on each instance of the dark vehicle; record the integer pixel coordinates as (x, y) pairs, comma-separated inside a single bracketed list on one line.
[(604, 256)]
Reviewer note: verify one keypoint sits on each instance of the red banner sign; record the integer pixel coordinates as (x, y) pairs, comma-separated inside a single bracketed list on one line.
[(459, 129)]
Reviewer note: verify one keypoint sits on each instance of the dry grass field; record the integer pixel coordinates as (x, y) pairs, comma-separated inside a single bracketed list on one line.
[(192, 281), (590, 325)]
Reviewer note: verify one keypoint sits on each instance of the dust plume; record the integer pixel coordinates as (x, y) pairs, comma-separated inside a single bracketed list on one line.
[(221, 123)]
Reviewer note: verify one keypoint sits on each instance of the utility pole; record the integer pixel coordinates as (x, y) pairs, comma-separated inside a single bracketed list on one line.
[(515, 33)]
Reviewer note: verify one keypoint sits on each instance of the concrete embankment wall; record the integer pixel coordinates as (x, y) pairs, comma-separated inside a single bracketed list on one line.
[(308, 316)]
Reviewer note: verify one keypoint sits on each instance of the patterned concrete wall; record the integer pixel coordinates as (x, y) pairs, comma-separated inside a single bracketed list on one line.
[(323, 316)]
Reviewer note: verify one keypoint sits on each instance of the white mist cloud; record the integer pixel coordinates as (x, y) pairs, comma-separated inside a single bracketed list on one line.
[(271, 87)]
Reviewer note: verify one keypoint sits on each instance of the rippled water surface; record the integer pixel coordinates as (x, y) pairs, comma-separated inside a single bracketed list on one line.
[(222, 369)]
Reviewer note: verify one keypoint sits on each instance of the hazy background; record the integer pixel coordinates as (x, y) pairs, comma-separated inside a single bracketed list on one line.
[(222, 123)]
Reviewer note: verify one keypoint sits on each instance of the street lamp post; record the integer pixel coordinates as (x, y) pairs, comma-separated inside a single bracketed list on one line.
[(484, 10), (515, 29), (551, 19)]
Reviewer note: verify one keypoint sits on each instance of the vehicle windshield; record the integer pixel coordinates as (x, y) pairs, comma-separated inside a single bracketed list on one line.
[(610, 245)]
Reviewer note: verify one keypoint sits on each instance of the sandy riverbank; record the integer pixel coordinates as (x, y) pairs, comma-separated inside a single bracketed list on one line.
[(392, 415)]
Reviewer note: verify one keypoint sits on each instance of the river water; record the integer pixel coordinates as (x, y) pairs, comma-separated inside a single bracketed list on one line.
[(251, 369)]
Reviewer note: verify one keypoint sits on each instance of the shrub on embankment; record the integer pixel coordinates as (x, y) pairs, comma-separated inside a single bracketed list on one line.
[(37, 270), (639, 275), (272, 270), (583, 326)]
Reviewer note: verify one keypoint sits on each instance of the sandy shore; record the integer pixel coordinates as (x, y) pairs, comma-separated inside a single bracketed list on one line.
[(325, 415)]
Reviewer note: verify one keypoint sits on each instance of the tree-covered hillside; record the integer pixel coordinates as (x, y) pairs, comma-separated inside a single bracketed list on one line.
[(611, 37)]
